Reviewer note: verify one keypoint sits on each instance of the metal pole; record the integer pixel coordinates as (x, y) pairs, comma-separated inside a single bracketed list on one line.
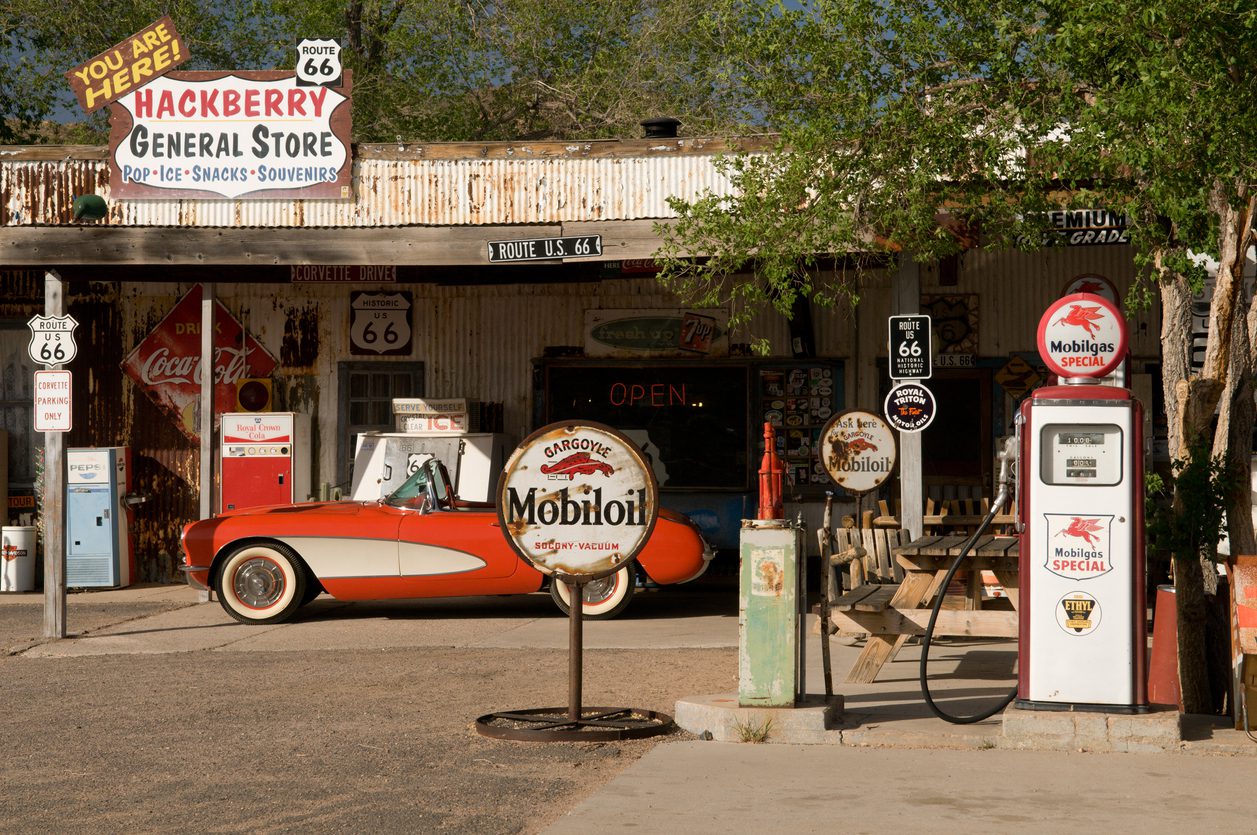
[(206, 427), (826, 572), (54, 495), (576, 647)]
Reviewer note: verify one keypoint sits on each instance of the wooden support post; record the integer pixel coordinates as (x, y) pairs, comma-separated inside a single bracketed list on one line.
[(206, 427), (906, 287), (54, 495)]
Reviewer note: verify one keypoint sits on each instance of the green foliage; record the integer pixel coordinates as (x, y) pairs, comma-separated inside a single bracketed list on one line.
[(1186, 513), (933, 127), (424, 70)]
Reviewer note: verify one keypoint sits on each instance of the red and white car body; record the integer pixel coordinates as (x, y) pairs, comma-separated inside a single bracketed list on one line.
[(421, 541)]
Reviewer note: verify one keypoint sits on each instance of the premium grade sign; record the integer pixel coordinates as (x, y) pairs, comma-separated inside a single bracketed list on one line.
[(577, 500), (545, 249)]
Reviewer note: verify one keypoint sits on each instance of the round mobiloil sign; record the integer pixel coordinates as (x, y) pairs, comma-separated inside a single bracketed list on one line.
[(857, 449), (1082, 335), (577, 500)]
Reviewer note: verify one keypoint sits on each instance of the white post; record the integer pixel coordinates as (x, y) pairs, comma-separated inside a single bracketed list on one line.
[(206, 424), (906, 290), (54, 495)]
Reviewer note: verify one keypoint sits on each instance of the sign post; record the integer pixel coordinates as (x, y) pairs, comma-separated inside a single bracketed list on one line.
[(52, 343), (577, 501)]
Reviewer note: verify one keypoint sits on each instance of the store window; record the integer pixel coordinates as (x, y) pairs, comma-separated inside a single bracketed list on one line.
[(365, 403), (689, 419), (16, 399)]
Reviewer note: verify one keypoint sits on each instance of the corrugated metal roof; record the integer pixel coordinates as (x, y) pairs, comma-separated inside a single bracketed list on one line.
[(404, 186)]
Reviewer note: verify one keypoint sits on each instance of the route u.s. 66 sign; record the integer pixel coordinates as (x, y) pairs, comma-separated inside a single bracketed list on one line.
[(52, 339)]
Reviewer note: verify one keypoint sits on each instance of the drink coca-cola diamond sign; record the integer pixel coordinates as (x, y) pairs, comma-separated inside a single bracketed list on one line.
[(167, 364)]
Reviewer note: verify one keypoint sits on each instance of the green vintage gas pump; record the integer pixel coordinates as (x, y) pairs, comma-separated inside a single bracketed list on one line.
[(772, 598)]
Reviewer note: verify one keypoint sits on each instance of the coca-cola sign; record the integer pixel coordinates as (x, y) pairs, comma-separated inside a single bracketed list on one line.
[(578, 500), (167, 364)]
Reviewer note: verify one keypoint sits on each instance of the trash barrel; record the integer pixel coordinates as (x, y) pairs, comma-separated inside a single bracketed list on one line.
[(17, 558), (1163, 686)]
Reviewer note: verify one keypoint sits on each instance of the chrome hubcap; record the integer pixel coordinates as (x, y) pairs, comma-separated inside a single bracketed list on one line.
[(599, 590), (258, 583)]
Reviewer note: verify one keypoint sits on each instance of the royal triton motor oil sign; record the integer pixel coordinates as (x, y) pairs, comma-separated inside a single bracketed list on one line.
[(578, 500)]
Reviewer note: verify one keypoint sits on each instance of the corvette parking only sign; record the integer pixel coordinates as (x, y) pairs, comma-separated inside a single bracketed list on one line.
[(53, 401)]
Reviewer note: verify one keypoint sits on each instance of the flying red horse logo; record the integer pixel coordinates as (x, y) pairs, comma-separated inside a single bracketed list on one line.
[(1082, 316), (844, 451), (578, 463), (1083, 528), (1089, 286)]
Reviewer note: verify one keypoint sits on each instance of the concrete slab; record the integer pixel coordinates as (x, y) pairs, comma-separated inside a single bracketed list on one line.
[(1050, 730), (719, 717), (712, 788)]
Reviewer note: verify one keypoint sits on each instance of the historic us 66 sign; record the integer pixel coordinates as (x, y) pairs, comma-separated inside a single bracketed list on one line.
[(577, 500), (52, 339)]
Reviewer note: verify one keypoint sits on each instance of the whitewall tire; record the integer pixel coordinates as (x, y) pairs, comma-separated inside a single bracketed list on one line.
[(261, 583), (604, 598)]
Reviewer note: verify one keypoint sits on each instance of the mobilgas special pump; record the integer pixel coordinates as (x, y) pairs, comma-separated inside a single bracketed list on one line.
[(1079, 476)]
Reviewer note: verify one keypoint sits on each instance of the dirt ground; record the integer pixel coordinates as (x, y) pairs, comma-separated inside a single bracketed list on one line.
[(379, 741)]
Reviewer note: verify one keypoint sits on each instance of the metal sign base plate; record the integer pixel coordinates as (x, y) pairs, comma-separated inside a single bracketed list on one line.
[(554, 724)]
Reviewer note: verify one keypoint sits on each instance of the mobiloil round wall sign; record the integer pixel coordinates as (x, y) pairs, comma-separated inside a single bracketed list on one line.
[(857, 449), (910, 407), (1082, 335), (577, 500)]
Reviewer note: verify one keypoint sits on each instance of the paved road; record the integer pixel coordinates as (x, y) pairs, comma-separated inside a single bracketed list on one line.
[(165, 715)]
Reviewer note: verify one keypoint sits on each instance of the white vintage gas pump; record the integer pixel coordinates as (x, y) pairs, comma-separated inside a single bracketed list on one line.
[(1082, 638)]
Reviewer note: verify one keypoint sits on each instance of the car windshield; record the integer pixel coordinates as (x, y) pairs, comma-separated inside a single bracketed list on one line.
[(426, 481)]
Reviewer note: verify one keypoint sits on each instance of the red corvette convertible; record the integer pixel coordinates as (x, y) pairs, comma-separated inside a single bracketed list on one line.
[(420, 541)]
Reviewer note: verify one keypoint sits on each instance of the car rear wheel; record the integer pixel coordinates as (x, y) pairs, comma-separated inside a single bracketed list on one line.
[(262, 583), (604, 598)]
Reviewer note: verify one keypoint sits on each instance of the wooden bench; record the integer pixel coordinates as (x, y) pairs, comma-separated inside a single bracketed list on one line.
[(870, 597)]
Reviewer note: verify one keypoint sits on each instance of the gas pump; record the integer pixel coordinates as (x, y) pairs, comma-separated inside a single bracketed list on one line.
[(1083, 635)]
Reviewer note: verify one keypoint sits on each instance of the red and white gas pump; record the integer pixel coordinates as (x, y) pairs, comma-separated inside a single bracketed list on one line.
[(1083, 637)]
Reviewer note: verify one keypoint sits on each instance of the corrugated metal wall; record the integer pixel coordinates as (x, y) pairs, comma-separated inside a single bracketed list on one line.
[(397, 192)]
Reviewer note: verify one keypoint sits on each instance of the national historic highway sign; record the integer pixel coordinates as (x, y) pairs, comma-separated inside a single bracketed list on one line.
[(52, 339)]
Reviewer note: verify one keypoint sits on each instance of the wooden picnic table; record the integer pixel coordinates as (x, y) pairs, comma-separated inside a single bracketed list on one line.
[(891, 613)]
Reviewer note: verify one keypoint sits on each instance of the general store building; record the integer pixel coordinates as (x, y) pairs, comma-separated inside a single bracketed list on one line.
[(589, 335)]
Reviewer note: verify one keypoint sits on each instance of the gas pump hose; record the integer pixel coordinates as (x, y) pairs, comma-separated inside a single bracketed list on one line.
[(1001, 499)]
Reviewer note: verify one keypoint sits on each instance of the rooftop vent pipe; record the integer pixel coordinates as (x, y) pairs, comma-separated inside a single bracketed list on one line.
[(661, 127)]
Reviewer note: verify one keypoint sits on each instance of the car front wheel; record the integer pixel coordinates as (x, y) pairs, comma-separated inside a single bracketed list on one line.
[(262, 583), (604, 598)]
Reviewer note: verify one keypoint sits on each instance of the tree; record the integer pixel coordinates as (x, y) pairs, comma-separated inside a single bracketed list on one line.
[(927, 128), (424, 70)]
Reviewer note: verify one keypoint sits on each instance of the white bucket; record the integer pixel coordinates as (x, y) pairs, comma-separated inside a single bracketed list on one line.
[(17, 559)]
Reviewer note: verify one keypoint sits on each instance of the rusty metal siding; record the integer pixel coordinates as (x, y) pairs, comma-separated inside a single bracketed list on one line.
[(418, 192)]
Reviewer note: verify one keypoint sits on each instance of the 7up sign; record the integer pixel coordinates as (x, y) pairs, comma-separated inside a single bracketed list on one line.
[(52, 339)]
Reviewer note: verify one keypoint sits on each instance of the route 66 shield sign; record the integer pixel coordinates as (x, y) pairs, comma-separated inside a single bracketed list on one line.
[(318, 63), (52, 339), (379, 324)]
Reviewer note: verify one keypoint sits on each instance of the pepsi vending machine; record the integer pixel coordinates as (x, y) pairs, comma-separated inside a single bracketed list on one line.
[(1083, 635), (98, 518)]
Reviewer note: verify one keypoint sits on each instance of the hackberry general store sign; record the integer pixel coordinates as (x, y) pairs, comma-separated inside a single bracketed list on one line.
[(241, 134)]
